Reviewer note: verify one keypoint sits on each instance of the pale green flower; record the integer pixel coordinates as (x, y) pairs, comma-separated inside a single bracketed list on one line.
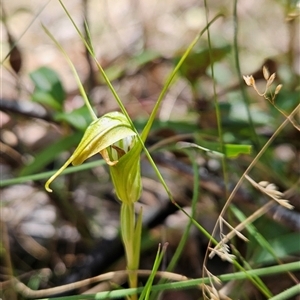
[(114, 138)]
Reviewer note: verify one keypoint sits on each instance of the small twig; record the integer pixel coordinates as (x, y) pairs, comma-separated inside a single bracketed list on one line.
[(110, 276), (257, 214)]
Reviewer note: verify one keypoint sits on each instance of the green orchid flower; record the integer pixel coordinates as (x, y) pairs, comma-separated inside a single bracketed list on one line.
[(114, 138)]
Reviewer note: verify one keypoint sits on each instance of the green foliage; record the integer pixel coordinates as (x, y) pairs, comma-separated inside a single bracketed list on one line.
[(239, 123), (46, 156), (131, 65), (49, 90), (268, 242), (145, 57), (197, 62), (230, 150), (78, 118), (284, 246)]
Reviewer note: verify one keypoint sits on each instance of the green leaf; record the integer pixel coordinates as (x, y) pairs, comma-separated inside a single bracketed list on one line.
[(79, 118), (46, 99), (197, 62), (113, 72), (48, 88), (48, 155), (231, 150), (145, 57), (283, 246), (157, 262), (185, 126), (130, 66)]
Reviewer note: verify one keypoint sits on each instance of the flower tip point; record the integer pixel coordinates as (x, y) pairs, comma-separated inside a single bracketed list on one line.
[(47, 188)]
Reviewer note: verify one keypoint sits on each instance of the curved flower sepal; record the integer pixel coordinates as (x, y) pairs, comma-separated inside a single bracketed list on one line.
[(126, 175), (100, 135)]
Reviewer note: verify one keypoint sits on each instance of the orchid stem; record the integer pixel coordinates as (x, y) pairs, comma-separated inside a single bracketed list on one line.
[(131, 235)]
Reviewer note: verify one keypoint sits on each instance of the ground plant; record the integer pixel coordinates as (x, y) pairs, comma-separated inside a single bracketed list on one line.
[(150, 150)]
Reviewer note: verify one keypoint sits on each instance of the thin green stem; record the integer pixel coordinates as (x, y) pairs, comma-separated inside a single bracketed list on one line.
[(217, 106), (148, 287), (171, 77), (288, 294), (25, 29), (80, 86), (169, 80), (44, 175), (240, 77), (131, 240), (89, 47), (256, 280), (192, 283), (185, 235)]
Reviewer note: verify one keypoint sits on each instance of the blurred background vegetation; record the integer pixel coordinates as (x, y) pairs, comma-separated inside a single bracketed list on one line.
[(72, 234)]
